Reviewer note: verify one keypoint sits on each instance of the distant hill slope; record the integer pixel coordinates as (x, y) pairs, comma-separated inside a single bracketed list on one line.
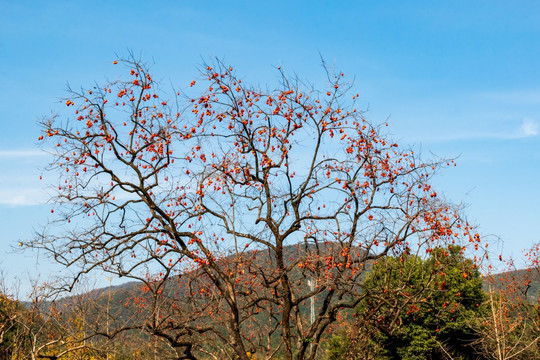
[(115, 297), (527, 282)]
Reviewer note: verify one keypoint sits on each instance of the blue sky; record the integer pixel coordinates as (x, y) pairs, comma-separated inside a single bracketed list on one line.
[(455, 79)]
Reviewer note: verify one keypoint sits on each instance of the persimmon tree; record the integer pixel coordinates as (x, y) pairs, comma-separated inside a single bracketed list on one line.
[(511, 327), (256, 200)]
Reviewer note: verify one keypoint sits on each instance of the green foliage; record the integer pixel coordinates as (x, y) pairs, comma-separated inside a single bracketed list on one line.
[(417, 308), (417, 344), (337, 347)]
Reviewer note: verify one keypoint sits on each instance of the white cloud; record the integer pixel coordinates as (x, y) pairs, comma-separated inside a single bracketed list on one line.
[(529, 128), (11, 154), (23, 196), (19, 177)]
